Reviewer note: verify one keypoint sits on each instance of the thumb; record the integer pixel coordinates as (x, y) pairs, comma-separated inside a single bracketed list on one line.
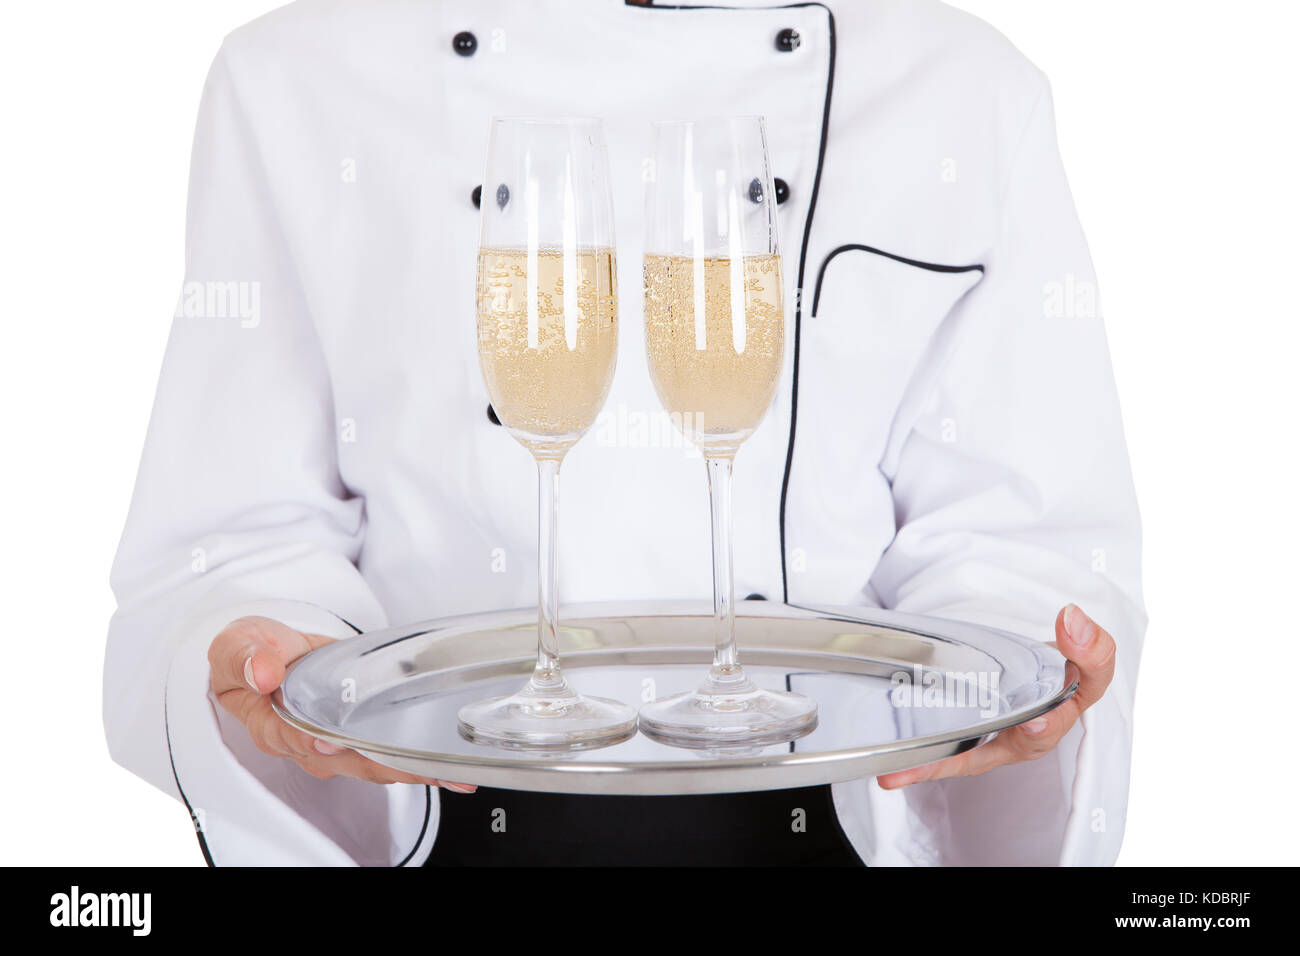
[(263, 671), (252, 654)]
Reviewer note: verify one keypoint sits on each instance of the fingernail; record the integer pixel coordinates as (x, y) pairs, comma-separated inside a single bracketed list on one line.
[(1035, 726), (460, 787), (1078, 626), (248, 674), (326, 748)]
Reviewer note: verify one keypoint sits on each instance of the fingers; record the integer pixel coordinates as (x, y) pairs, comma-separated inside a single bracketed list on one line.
[(248, 661), (1091, 649), (348, 763), (319, 758), (252, 653), (351, 764), (977, 761), (1027, 741), (271, 734)]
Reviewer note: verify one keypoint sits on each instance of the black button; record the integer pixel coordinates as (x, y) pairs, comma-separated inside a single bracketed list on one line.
[(464, 43), (756, 597), (781, 187), (787, 41), (492, 416), (503, 196)]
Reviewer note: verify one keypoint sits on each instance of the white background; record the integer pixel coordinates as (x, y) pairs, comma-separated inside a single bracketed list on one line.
[(1178, 126)]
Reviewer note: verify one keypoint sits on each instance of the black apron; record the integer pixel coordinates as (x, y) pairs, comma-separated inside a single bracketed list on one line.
[(518, 828)]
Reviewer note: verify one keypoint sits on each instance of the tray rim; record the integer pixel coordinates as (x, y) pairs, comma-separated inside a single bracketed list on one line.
[(692, 765)]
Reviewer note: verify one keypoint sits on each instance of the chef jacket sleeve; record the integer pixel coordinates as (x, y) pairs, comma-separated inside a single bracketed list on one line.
[(239, 509), (1013, 497)]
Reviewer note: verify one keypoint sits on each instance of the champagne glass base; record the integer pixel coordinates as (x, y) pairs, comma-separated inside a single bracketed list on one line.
[(550, 719), (721, 715)]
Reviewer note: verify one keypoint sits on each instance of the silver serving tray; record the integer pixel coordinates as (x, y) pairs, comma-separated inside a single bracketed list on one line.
[(894, 691)]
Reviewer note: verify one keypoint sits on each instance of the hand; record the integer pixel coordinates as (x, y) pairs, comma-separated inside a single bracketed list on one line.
[(248, 661), (1090, 652)]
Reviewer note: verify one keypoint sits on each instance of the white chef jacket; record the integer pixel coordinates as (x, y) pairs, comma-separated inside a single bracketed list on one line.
[(946, 438)]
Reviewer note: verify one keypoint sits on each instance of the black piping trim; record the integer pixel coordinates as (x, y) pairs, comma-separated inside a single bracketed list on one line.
[(858, 247), (803, 250), (203, 843), (424, 827), (396, 640), (798, 305), (347, 622), (198, 832)]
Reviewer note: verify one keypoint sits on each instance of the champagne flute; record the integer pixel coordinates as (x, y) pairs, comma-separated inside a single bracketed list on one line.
[(715, 338), (547, 340)]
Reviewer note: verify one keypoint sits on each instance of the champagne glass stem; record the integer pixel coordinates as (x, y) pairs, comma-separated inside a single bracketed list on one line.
[(547, 673), (726, 664)]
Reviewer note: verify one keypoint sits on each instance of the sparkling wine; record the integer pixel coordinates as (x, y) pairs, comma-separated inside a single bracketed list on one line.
[(547, 341), (715, 337)]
